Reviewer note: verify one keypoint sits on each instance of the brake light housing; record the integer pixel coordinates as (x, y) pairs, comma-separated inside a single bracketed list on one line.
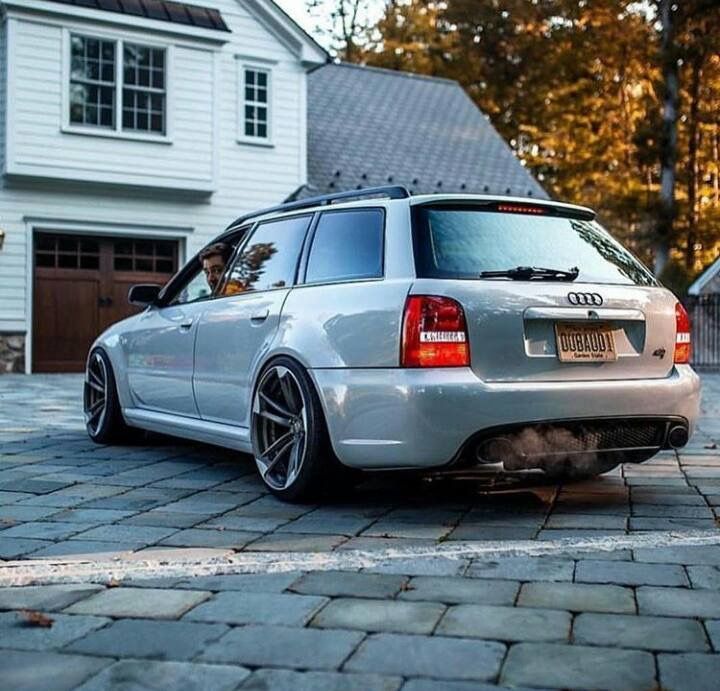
[(434, 333), (683, 336)]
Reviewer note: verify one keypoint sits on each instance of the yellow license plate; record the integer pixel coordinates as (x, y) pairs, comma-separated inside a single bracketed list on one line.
[(585, 342)]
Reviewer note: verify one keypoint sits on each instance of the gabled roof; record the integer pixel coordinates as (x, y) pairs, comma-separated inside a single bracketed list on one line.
[(704, 278), (369, 126), (162, 10)]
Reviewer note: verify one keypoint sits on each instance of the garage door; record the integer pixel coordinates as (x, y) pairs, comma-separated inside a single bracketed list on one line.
[(80, 288)]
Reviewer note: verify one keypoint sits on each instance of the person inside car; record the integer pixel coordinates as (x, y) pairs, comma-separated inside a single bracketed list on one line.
[(214, 258)]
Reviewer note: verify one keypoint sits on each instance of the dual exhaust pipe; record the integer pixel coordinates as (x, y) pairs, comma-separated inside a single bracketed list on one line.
[(507, 450), (677, 437)]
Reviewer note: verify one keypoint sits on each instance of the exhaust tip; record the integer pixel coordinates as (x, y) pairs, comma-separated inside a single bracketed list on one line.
[(678, 436)]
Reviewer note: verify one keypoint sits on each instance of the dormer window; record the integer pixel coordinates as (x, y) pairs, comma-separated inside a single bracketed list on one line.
[(127, 97)]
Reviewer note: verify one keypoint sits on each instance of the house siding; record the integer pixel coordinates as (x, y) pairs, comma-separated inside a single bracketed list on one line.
[(3, 96), (127, 187)]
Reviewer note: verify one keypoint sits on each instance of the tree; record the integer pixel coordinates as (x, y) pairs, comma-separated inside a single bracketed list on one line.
[(346, 25), (606, 104)]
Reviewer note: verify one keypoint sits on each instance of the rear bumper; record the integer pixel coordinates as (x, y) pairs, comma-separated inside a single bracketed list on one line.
[(412, 418)]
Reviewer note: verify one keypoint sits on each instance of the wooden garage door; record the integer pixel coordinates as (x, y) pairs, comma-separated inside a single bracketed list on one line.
[(80, 288)]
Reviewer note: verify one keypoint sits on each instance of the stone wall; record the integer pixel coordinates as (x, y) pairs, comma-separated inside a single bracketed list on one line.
[(12, 353)]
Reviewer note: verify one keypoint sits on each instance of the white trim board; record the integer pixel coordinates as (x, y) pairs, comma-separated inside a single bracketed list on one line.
[(704, 278)]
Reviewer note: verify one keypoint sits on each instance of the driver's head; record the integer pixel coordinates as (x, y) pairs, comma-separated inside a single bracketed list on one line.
[(213, 259)]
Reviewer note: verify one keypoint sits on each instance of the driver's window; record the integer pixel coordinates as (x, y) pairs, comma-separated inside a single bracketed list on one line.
[(211, 265), (196, 289)]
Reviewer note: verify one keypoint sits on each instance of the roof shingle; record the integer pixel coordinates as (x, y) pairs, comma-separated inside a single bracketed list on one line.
[(369, 126)]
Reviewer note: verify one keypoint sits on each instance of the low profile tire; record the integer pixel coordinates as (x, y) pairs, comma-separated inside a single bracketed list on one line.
[(290, 440), (103, 418)]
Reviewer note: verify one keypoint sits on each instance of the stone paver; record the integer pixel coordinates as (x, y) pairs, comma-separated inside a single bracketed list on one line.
[(140, 603), (578, 597), (137, 675), (16, 631), (629, 573), (48, 598), (342, 583), (288, 680), (277, 646), (506, 623), (41, 671), (713, 629), (460, 590), (704, 577), (439, 657), (564, 666), (569, 619), (690, 670), (524, 569), (258, 608), (648, 633), (140, 638), (678, 602), (380, 615)]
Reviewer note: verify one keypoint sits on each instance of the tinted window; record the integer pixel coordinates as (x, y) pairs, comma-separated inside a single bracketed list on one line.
[(269, 259), (347, 245), (460, 243)]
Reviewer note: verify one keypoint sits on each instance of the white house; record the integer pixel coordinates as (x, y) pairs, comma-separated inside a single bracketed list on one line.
[(132, 132)]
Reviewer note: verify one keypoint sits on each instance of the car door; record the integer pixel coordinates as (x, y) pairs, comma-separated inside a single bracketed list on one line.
[(160, 350), (238, 326)]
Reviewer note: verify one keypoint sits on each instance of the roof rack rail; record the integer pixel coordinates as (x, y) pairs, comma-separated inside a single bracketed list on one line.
[(387, 191)]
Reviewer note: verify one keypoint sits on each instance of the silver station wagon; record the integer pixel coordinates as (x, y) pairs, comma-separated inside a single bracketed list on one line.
[(377, 330)]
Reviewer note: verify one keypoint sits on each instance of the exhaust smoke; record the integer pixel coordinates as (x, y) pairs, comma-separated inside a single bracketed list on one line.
[(552, 449)]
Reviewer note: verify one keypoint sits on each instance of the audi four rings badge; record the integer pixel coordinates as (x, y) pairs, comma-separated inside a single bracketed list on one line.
[(585, 298)]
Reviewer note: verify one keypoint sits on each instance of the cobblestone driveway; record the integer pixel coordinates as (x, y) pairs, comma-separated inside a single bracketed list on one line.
[(606, 606)]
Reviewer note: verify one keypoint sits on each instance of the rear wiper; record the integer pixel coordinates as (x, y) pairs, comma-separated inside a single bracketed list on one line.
[(527, 273)]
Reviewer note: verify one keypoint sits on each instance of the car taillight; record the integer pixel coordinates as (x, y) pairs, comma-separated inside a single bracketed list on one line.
[(683, 343), (434, 333)]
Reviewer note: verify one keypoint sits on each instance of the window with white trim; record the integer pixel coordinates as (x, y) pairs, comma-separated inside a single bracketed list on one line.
[(256, 104), (130, 97)]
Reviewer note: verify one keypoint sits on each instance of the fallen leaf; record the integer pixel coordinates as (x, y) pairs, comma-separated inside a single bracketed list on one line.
[(32, 618), (112, 583)]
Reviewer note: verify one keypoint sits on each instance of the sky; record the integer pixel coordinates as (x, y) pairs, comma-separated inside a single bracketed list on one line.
[(297, 9)]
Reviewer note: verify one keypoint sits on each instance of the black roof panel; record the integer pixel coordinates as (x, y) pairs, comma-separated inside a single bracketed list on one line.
[(162, 10)]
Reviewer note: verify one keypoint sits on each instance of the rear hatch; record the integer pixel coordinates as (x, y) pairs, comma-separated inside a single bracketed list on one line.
[(605, 318)]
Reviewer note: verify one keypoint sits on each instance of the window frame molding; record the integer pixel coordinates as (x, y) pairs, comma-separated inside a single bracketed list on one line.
[(259, 65), (119, 38)]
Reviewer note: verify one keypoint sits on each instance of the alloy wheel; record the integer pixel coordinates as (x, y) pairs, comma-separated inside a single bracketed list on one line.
[(279, 421), (95, 393)]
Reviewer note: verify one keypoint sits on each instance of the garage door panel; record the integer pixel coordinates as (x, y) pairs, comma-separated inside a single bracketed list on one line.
[(80, 288), (66, 322)]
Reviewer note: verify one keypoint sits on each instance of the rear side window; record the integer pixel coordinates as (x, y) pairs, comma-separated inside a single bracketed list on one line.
[(463, 242), (269, 258), (347, 245)]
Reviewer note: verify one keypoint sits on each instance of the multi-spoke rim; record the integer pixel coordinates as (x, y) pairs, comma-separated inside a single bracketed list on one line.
[(279, 419), (96, 393)]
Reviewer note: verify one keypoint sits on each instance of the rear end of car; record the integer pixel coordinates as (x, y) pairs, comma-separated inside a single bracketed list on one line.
[(530, 338), (560, 323)]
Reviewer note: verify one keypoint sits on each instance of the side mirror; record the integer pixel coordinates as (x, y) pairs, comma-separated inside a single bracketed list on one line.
[(144, 294)]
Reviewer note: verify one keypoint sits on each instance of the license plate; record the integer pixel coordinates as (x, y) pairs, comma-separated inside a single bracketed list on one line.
[(585, 342)]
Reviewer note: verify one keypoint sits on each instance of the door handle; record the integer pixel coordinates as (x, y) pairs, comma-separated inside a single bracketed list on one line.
[(186, 324), (260, 316)]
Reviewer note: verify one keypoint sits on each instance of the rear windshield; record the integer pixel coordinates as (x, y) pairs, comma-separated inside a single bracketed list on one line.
[(463, 242)]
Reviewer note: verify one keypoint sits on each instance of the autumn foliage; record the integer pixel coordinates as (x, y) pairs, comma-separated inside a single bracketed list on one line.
[(578, 89)]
